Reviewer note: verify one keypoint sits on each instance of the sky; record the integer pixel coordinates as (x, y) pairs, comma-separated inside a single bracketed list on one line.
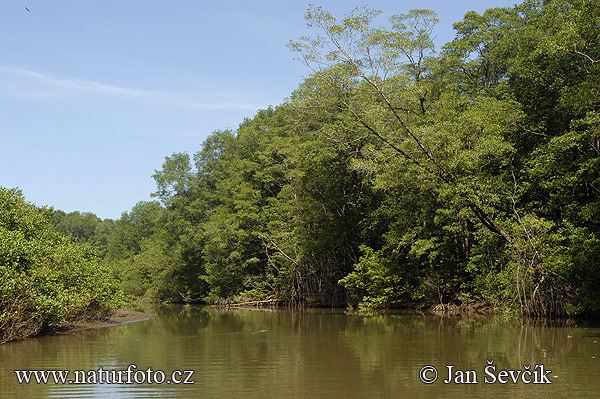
[(94, 94)]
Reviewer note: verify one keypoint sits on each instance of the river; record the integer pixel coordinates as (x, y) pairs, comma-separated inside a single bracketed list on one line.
[(311, 353)]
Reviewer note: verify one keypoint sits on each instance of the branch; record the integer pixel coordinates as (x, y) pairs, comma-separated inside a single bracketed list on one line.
[(253, 303), (593, 61), (388, 103), (279, 249)]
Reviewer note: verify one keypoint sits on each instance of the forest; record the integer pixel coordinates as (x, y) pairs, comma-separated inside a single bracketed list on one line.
[(397, 175)]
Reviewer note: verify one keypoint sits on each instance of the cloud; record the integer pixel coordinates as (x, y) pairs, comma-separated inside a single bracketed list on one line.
[(31, 83)]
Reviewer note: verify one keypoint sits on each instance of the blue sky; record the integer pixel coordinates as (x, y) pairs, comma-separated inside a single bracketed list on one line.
[(94, 94)]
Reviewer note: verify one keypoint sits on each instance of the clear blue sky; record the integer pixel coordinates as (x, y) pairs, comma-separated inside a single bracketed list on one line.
[(94, 94)]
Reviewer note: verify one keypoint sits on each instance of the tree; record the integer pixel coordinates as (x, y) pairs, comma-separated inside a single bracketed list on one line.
[(455, 136)]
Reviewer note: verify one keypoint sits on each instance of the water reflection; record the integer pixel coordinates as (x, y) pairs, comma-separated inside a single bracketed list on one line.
[(274, 353)]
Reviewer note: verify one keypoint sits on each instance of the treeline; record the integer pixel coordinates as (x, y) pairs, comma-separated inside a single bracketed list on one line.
[(394, 176)]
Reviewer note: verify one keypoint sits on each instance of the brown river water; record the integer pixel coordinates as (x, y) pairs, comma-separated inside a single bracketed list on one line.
[(311, 353)]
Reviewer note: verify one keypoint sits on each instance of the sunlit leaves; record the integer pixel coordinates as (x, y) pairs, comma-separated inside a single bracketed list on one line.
[(45, 278)]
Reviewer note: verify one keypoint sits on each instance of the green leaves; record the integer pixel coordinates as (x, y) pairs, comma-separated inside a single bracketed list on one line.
[(375, 282), (174, 178), (395, 177), (45, 278), (448, 137)]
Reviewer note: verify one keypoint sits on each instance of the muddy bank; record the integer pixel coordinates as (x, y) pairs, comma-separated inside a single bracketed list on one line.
[(115, 318)]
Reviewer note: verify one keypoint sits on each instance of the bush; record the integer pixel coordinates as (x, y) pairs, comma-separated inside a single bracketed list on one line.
[(45, 277)]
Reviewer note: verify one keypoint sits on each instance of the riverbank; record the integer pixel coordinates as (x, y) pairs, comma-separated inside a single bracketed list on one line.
[(115, 318)]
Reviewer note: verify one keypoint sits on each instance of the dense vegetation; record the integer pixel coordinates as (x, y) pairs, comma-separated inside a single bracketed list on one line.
[(45, 277), (394, 176)]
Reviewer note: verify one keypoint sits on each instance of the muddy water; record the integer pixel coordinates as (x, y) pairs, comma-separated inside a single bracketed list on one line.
[(246, 353)]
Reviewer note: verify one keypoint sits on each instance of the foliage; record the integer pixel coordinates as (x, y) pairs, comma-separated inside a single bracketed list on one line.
[(392, 177), (45, 277)]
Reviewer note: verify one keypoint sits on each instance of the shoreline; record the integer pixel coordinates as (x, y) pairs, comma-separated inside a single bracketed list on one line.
[(116, 318)]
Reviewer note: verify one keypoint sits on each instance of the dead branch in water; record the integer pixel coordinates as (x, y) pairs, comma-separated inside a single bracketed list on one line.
[(252, 303)]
